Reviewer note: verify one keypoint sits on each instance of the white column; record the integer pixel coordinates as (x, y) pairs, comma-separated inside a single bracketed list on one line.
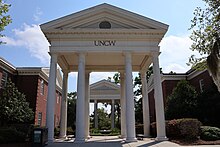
[(51, 97), (122, 103), (80, 103), (63, 120), (87, 100), (95, 113), (158, 96), (145, 103), (130, 117), (113, 114)]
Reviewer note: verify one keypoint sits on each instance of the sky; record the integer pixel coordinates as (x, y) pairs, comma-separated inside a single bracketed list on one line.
[(26, 45)]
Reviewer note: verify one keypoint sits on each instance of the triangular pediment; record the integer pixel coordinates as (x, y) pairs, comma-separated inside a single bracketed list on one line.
[(104, 85), (92, 17)]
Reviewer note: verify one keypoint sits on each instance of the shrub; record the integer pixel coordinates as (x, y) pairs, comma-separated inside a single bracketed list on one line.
[(70, 131), (56, 131), (95, 131), (11, 135), (115, 131), (189, 128), (139, 129), (186, 127), (153, 129), (210, 133)]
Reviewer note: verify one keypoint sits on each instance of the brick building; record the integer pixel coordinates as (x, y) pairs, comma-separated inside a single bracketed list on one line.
[(33, 82), (201, 80)]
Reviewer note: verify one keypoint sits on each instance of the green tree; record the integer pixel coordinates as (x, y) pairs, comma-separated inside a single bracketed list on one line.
[(182, 103), (208, 105), (206, 38), (104, 121), (4, 19), (13, 106), (71, 110)]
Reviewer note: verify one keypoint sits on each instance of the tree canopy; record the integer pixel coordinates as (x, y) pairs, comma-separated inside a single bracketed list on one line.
[(206, 27), (13, 106), (182, 102), (4, 18), (71, 110)]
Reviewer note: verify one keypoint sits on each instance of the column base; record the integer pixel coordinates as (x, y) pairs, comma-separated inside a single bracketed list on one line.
[(131, 139), (80, 140), (161, 138), (122, 136), (63, 137), (50, 141)]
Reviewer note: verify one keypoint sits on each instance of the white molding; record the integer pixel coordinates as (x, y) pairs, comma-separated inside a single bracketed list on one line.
[(5, 65)]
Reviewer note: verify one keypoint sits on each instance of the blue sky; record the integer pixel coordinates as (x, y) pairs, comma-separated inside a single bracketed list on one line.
[(26, 45)]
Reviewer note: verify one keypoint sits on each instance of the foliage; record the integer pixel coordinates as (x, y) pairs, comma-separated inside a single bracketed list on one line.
[(116, 78), (139, 129), (205, 25), (11, 135), (70, 131), (104, 122), (208, 105), (71, 110), (185, 127), (189, 128), (4, 19), (182, 103), (13, 106), (210, 133), (138, 111), (115, 131)]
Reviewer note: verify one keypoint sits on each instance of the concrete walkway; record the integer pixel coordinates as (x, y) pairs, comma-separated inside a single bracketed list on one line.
[(114, 141)]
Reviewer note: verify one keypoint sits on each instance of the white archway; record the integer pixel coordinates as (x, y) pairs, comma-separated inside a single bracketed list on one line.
[(105, 38)]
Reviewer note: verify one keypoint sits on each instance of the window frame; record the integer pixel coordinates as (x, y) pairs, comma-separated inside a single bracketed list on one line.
[(42, 87), (4, 79)]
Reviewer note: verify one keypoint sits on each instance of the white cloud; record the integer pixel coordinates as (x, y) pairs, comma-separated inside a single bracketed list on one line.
[(175, 52), (32, 38), (37, 14)]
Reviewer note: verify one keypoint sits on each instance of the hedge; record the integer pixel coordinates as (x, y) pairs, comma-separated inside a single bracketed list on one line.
[(210, 133), (186, 127)]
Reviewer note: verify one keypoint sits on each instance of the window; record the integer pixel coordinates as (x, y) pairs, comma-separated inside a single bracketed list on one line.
[(201, 85), (39, 121), (58, 98), (42, 87), (105, 25), (4, 79)]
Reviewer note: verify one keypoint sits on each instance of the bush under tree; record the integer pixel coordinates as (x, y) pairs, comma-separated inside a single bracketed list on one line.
[(182, 103), (13, 106)]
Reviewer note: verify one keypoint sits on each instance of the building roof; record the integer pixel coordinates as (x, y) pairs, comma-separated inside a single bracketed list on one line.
[(104, 90), (43, 72)]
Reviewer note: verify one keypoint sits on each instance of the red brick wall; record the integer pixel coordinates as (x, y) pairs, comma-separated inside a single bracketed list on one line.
[(41, 104), (207, 79), (11, 76), (152, 106), (167, 87)]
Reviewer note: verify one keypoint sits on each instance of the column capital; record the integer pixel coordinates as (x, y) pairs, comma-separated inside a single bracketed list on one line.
[(155, 54), (81, 56), (65, 71), (143, 74), (88, 71), (54, 57)]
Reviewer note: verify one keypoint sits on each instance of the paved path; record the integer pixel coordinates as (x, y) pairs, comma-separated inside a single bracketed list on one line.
[(114, 141)]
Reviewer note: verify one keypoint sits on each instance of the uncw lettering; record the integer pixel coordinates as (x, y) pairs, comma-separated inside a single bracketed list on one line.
[(104, 42)]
